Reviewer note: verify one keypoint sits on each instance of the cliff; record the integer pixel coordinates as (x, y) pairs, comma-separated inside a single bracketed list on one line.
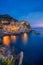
[(10, 25)]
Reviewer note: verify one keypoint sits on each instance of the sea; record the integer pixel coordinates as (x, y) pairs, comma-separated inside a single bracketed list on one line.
[(32, 48)]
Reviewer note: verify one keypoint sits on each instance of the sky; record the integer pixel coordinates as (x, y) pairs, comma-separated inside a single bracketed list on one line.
[(29, 10)]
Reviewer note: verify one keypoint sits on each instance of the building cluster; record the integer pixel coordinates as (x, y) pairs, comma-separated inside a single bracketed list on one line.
[(14, 26)]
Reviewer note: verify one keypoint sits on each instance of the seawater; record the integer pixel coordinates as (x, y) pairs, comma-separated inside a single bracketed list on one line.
[(33, 48)]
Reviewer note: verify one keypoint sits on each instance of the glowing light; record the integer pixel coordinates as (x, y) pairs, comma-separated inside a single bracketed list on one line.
[(15, 28), (10, 28), (13, 38), (25, 37), (6, 40)]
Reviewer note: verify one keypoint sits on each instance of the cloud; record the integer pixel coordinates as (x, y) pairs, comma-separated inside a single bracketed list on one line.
[(35, 19)]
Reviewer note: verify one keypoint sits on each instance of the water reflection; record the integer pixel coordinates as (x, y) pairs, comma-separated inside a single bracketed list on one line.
[(13, 38), (25, 37), (6, 40)]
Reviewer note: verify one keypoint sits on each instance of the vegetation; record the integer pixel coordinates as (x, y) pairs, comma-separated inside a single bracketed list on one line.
[(7, 17), (6, 61)]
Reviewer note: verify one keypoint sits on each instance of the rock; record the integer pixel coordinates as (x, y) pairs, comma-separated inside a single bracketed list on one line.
[(33, 31), (19, 59)]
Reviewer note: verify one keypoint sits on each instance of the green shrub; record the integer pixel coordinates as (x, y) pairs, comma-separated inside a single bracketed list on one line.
[(6, 62)]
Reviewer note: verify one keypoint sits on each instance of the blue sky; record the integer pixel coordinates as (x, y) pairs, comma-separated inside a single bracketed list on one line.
[(30, 10)]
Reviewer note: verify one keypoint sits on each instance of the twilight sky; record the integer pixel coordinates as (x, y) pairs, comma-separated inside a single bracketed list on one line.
[(30, 10)]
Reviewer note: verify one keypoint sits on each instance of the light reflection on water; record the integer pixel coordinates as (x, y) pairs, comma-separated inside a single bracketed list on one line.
[(13, 38), (7, 39), (25, 38)]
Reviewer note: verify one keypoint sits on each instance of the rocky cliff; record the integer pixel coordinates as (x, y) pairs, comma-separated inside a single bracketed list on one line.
[(10, 25)]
